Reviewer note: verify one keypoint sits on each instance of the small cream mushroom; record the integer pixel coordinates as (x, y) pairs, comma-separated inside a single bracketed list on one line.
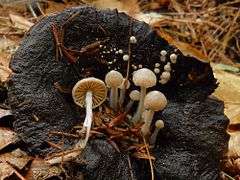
[(144, 78), (125, 57), (173, 58), (89, 93), (133, 40), (113, 79), (165, 75), (167, 67), (125, 85), (134, 96), (159, 124), (154, 101), (163, 81), (163, 55)]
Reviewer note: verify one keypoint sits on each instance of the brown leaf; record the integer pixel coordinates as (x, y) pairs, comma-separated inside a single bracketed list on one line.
[(17, 158), (5, 170), (40, 169), (5, 73), (7, 137), (20, 22), (234, 145)]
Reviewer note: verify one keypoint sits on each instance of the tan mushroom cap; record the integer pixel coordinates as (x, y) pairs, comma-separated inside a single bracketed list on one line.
[(113, 78), (155, 101), (144, 77), (96, 86), (135, 95)]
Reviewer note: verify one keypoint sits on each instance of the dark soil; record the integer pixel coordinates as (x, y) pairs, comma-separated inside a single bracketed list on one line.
[(191, 145)]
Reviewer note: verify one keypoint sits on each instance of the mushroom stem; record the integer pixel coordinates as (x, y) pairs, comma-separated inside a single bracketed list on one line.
[(129, 106), (88, 119), (153, 137), (148, 116), (122, 96), (140, 108), (114, 98)]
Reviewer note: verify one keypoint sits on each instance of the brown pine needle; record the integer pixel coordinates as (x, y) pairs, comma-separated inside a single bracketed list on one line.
[(150, 160)]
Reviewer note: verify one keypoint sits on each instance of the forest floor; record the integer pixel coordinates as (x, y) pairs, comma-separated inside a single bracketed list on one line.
[(208, 30)]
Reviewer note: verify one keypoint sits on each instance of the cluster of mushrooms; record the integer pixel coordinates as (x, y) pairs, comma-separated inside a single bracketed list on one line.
[(91, 92)]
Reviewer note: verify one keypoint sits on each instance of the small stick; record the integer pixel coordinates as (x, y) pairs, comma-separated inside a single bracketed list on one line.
[(150, 160)]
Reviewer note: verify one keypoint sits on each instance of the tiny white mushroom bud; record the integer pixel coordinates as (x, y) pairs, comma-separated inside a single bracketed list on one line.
[(133, 40), (163, 53), (157, 64), (159, 124), (125, 85), (154, 101), (120, 51), (165, 75), (144, 78), (113, 79), (125, 57), (134, 96), (140, 66), (173, 58), (157, 70), (167, 67), (163, 81)]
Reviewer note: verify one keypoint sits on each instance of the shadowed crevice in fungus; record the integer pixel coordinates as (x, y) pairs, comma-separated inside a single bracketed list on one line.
[(191, 144)]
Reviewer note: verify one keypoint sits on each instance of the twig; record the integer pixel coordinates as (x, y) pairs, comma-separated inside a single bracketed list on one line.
[(130, 167), (150, 160)]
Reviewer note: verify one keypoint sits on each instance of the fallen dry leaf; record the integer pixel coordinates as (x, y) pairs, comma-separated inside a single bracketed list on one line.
[(229, 92), (17, 158), (5, 170), (20, 22), (40, 169), (7, 137), (5, 73), (234, 145)]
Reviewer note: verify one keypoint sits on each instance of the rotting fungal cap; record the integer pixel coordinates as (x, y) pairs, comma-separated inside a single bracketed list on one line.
[(96, 86), (144, 77), (135, 95), (155, 101), (113, 78)]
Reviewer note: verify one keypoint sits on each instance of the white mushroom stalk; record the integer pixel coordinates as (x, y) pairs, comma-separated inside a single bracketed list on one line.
[(125, 85), (134, 96), (89, 93), (159, 124), (113, 80), (154, 101), (144, 78)]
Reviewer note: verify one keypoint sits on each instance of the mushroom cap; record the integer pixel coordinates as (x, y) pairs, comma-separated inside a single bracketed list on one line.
[(166, 75), (159, 124), (113, 78), (135, 95), (122, 85), (96, 86), (144, 77), (155, 101)]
